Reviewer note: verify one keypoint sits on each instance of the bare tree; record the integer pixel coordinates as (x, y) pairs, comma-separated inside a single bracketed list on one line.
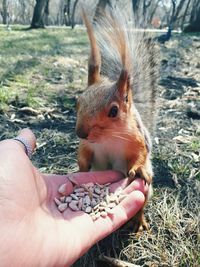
[(66, 10), (46, 13), (136, 7), (153, 10), (176, 11), (173, 18), (40, 8), (4, 12), (73, 14), (146, 5), (194, 23), (144, 10), (185, 14), (101, 6), (22, 10)]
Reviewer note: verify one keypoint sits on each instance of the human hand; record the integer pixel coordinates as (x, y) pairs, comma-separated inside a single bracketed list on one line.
[(32, 230)]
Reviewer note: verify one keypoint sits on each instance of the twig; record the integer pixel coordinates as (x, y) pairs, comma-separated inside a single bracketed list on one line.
[(117, 263)]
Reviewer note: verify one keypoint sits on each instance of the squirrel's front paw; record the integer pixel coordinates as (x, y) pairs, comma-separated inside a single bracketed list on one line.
[(131, 173), (141, 172), (144, 175)]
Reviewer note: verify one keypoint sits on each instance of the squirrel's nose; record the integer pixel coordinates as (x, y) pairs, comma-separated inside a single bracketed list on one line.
[(81, 133)]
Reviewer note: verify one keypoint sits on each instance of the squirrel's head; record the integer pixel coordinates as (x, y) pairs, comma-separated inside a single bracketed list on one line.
[(104, 108)]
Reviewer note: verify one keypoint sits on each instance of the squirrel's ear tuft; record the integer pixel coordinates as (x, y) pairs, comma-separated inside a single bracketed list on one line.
[(123, 84), (94, 63)]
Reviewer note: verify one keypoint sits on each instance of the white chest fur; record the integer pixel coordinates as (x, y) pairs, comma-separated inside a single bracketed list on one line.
[(109, 155)]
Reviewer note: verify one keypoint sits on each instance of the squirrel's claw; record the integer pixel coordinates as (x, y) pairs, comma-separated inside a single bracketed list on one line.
[(144, 175), (141, 172), (132, 173)]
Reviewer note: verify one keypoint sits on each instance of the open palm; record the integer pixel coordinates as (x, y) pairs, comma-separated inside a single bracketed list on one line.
[(32, 231)]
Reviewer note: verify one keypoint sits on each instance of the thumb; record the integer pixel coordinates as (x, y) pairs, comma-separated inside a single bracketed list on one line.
[(26, 139)]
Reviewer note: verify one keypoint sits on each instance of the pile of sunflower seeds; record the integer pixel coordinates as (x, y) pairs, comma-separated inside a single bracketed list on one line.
[(92, 198)]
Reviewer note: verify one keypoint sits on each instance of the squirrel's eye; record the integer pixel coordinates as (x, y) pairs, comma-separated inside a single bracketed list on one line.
[(113, 112)]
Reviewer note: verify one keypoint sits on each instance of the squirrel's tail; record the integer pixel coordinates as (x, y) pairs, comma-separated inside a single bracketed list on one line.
[(123, 45)]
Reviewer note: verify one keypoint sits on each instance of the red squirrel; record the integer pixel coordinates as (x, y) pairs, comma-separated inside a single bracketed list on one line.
[(121, 83)]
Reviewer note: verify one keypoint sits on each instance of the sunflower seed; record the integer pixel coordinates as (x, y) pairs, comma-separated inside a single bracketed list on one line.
[(101, 208), (96, 207), (113, 198), (68, 199), (104, 214), (93, 203), (103, 204), (111, 205), (74, 196), (99, 185), (102, 195), (89, 184), (62, 207), (57, 201), (62, 199), (109, 210), (94, 199), (86, 200), (95, 195), (63, 189), (93, 216), (79, 190), (73, 206), (80, 204), (88, 209), (97, 215), (97, 190), (81, 194)]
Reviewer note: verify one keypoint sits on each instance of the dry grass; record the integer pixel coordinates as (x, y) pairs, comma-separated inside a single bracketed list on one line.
[(173, 238)]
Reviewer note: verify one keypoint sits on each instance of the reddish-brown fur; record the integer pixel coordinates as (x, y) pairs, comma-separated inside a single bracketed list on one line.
[(97, 130)]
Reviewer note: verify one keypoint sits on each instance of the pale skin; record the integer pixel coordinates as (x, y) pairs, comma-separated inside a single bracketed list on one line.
[(32, 231)]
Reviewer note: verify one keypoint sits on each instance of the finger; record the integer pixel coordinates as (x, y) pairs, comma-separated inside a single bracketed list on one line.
[(121, 214), (29, 136), (119, 185), (25, 134), (26, 140), (127, 188), (137, 184), (101, 177)]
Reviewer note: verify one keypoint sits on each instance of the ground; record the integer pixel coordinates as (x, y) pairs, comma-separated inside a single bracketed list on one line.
[(41, 74)]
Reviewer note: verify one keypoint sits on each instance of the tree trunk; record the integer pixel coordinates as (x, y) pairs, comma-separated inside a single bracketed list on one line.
[(4, 12), (38, 14), (146, 5), (73, 13), (101, 6), (194, 24), (135, 5), (46, 14), (177, 12), (172, 19), (66, 10), (185, 14), (153, 11), (22, 11)]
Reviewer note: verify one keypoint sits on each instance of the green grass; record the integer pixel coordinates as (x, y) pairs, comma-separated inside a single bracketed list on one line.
[(28, 62)]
